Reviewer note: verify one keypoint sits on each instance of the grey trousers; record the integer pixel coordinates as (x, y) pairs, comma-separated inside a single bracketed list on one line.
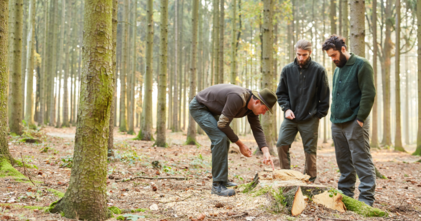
[(220, 142), (309, 133), (353, 157)]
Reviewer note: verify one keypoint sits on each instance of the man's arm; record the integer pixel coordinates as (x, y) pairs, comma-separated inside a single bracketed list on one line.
[(368, 91), (282, 92), (323, 95)]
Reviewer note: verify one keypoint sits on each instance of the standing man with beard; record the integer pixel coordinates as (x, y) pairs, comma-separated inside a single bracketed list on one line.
[(352, 99), (303, 94)]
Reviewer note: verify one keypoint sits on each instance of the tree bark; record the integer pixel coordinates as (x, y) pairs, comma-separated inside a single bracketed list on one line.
[(216, 40), (4, 81), (175, 109), (114, 60), (15, 86), (67, 55), (86, 195), (398, 134), (344, 20), (30, 67), (52, 64), (221, 42), (44, 67), (124, 64), (374, 127), (145, 132), (267, 68), (191, 131), (162, 83), (233, 75), (386, 77), (357, 28), (418, 150), (60, 62), (130, 117)]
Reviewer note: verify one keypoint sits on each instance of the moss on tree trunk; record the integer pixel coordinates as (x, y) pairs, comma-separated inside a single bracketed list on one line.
[(86, 195)]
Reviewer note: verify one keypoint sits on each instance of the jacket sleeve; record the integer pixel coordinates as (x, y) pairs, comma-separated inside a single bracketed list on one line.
[(233, 105), (368, 91), (257, 130), (282, 92), (323, 95)]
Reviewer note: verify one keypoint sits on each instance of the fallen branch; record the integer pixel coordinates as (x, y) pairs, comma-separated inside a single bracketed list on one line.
[(153, 178), (24, 170)]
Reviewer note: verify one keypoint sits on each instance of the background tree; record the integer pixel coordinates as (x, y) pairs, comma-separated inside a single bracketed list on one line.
[(418, 150), (114, 59), (145, 132), (191, 131), (124, 70), (374, 112), (162, 85), (89, 172), (15, 86), (30, 61)]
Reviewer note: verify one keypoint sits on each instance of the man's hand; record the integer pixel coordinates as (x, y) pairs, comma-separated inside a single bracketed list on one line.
[(267, 159), (360, 123), (243, 149), (289, 114)]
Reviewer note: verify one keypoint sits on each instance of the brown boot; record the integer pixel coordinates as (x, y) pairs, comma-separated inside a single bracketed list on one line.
[(284, 158)]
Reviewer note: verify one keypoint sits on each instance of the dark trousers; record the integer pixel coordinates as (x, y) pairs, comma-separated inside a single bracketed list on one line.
[(353, 157), (309, 132), (220, 142)]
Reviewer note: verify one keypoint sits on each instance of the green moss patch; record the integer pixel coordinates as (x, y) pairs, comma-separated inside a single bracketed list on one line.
[(30, 166), (115, 210), (140, 210), (8, 171), (362, 208), (56, 193), (40, 208)]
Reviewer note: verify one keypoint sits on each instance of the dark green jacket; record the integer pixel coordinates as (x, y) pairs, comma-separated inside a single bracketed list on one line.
[(304, 90), (353, 91)]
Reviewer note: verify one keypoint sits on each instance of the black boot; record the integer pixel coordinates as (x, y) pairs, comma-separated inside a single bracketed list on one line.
[(219, 189)]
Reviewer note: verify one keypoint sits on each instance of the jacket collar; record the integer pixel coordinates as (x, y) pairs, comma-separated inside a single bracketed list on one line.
[(305, 66), (351, 60)]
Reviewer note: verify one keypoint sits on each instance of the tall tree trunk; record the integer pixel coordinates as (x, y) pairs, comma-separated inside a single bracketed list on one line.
[(132, 105), (267, 68), (221, 41), (4, 81), (386, 67), (344, 20), (191, 131), (398, 134), (61, 61), (325, 122), (125, 68), (67, 55), (418, 150), (88, 179), (357, 28), (233, 75), (374, 126), (44, 68), (15, 86), (145, 132), (175, 110), (114, 71), (75, 28), (29, 115), (53, 64), (162, 83), (333, 29), (216, 40), (24, 54)]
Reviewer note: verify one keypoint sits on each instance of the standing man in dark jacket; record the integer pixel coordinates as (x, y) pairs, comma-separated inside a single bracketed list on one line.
[(214, 108), (352, 99), (303, 94)]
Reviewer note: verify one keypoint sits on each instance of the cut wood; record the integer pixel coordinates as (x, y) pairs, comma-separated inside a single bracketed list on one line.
[(295, 201), (334, 202)]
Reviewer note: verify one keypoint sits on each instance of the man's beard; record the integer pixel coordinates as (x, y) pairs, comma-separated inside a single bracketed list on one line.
[(342, 60), (303, 63)]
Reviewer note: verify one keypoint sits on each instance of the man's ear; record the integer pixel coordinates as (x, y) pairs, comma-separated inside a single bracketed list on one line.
[(343, 49)]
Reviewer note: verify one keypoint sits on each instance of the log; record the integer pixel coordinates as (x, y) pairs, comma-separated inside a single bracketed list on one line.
[(362, 208)]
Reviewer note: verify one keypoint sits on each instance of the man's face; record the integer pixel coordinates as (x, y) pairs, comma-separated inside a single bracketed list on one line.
[(337, 57), (259, 107), (302, 56)]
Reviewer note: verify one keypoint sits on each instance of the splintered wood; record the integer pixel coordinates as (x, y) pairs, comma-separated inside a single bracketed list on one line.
[(334, 202)]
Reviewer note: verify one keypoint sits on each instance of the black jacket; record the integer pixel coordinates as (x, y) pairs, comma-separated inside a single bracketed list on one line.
[(304, 90)]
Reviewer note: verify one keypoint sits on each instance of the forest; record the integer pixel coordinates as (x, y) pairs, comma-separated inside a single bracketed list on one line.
[(95, 94)]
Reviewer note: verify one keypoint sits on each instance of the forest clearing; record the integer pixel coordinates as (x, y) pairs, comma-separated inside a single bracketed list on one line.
[(400, 194)]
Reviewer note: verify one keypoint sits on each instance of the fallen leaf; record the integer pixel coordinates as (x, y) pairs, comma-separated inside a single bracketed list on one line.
[(219, 205), (201, 217)]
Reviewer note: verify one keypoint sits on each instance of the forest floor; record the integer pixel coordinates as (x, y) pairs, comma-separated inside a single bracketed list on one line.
[(171, 199)]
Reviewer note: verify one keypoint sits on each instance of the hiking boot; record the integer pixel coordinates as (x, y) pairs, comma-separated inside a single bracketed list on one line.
[(219, 189), (230, 184), (312, 179)]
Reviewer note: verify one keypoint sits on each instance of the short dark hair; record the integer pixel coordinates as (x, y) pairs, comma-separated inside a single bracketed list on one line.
[(334, 42)]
